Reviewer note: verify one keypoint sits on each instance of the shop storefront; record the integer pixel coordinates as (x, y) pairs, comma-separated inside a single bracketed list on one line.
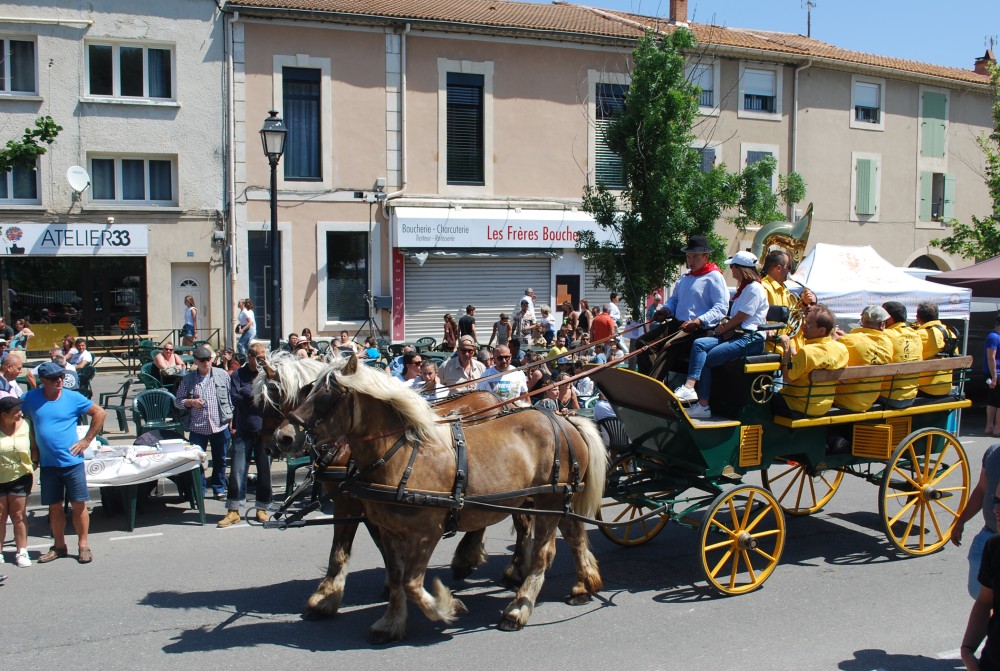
[(88, 275), (447, 258)]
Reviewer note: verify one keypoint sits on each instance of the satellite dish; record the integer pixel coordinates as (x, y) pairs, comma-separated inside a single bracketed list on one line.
[(78, 178)]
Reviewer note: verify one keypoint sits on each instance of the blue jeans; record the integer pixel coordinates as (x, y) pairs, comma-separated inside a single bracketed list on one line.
[(976, 548), (710, 351), (244, 342), (244, 444), (219, 441)]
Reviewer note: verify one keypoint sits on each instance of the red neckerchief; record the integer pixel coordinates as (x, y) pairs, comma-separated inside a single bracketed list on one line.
[(743, 285), (705, 270)]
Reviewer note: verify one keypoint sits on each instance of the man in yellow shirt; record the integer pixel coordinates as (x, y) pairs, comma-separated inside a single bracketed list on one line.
[(819, 352), (867, 345), (774, 272), (900, 390), (932, 337)]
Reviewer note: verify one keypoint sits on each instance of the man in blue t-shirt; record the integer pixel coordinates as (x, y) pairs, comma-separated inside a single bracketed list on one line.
[(990, 368), (54, 412)]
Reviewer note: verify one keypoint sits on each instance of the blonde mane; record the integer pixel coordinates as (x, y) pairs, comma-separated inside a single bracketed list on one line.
[(294, 372), (413, 409)]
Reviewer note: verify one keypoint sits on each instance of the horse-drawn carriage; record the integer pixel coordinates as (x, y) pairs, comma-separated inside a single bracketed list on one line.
[(692, 470)]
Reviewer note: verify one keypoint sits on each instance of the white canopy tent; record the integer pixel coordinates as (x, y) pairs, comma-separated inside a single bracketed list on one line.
[(847, 279)]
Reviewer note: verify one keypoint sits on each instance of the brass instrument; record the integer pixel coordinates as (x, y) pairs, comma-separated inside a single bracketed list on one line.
[(792, 237)]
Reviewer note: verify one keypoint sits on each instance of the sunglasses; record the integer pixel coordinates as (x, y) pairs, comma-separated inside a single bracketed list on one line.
[(203, 359), (168, 349), (468, 351), (416, 362), (502, 357)]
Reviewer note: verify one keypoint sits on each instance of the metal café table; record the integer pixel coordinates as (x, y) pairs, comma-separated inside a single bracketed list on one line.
[(120, 477)]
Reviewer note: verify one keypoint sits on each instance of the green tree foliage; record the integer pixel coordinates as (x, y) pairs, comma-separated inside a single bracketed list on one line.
[(980, 240), (667, 197), (26, 150)]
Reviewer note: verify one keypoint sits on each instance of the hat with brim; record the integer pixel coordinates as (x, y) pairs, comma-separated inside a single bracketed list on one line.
[(8, 403), (202, 352), (743, 260), (697, 244), (51, 371)]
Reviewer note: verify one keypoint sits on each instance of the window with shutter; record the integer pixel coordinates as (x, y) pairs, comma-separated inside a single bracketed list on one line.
[(301, 107), (465, 129), (865, 187), (948, 198), (610, 100), (707, 155), (759, 91), (933, 124), (704, 77), (926, 195)]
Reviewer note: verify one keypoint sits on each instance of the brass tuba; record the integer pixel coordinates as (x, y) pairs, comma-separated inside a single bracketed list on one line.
[(791, 236)]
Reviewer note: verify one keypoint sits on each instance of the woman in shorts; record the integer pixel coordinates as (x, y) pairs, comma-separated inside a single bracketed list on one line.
[(15, 476)]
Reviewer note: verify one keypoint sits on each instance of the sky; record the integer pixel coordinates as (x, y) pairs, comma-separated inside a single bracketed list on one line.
[(951, 33)]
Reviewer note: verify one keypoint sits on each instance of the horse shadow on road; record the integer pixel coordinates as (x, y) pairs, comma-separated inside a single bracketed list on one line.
[(865, 660)]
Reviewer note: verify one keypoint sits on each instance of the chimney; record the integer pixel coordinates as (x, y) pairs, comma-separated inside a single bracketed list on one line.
[(982, 63), (679, 12)]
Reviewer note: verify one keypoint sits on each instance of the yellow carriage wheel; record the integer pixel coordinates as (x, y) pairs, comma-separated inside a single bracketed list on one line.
[(742, 538), (628, 533), (924, 489), (799, 490)]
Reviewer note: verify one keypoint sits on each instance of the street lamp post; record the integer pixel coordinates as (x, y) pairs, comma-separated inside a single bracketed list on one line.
[(272, 135)]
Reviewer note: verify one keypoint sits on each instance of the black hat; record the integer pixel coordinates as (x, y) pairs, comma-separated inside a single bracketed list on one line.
[(202, 352), (698, 244), (8, 403)]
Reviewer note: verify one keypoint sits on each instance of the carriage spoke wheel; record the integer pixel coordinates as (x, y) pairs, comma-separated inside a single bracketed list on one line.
[(762, 389), (623, 470), (924, 489), (741, 539), (799, 490)]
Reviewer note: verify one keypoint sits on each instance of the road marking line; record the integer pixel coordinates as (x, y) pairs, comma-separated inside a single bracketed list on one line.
[(129, 538)]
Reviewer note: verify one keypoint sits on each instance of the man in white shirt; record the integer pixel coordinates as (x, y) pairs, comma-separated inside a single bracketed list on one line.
[(82, 356), (615, 312), (10, 368), (529, 295), (462, 368), (509, 382)]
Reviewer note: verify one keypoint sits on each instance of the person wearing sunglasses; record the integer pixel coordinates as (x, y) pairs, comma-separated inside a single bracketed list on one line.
[(167, 361), (204, 392), (462, 368), (508, 382), (410, 375)]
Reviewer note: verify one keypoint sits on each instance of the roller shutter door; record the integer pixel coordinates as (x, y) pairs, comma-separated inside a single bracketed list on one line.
[(596, 294), (448, 285)]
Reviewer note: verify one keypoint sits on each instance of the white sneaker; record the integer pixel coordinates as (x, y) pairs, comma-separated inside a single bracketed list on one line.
[(685, 393), (699, 411), (1, 557), (21, 558)]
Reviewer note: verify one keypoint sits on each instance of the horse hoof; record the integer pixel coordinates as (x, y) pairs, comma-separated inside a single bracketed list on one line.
[(316, 614), (459, 608), (379, 637), (578, 599), (460, 572), (510, 624)]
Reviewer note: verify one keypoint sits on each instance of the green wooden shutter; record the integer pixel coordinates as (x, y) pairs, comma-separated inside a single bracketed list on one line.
[(865, 187), (926, 194), (948, 207), (933, 125)]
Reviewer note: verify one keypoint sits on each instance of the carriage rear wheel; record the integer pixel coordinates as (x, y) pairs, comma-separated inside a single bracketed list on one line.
[(625, 469), (799, 489), (741, 539), (924, 489)]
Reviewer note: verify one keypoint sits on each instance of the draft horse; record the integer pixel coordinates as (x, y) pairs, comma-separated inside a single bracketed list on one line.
[(285, 382), (409, 470)]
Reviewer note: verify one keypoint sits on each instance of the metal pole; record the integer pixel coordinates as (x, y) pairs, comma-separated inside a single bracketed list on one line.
[(275, 260)]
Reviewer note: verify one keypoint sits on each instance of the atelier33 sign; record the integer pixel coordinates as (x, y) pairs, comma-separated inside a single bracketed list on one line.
[(74, 239)]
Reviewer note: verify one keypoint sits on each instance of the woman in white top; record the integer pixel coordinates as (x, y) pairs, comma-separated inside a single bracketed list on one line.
[(190, 320), (247, 326), (748, 311)]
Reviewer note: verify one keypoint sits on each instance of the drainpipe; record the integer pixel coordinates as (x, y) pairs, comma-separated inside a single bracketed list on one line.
[(402, 122), (230, 259), (795, 126)]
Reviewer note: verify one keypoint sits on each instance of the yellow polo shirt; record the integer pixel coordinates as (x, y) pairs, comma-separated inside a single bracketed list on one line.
[(932, 340), (778, 294), (865, 347), (906, 346), (816, 354)]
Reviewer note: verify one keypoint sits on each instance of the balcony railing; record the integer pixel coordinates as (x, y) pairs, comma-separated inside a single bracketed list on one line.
[(866, 114), (758, 103)]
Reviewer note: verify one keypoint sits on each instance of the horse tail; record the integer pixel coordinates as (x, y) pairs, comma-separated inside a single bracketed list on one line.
[(588, 502)]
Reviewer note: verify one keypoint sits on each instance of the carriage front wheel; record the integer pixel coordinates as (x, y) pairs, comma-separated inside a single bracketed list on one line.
[(741, 539), (630, 528), (924, 489), (800, 490)]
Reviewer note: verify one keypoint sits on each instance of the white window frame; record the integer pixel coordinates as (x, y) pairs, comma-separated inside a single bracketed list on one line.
[(778, 71), (855, 157), (484, 68), (717, 146), (708, 110), (375, 239), (746, 147), (116, 82), (326, 116), (595, 77), (9, 177), (874, 81), (119, 198), (5, 64)]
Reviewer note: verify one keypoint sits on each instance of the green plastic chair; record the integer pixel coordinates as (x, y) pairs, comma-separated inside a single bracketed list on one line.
[(84, 376), (425, 344), (153, 409), (118, 407)]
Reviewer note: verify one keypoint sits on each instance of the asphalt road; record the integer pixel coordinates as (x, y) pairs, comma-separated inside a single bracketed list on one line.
[(176, 595)]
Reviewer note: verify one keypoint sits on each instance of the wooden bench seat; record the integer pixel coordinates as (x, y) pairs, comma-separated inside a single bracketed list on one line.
[(890, 369)]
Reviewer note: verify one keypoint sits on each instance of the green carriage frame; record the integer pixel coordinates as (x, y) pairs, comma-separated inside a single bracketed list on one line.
[(692, 470)]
